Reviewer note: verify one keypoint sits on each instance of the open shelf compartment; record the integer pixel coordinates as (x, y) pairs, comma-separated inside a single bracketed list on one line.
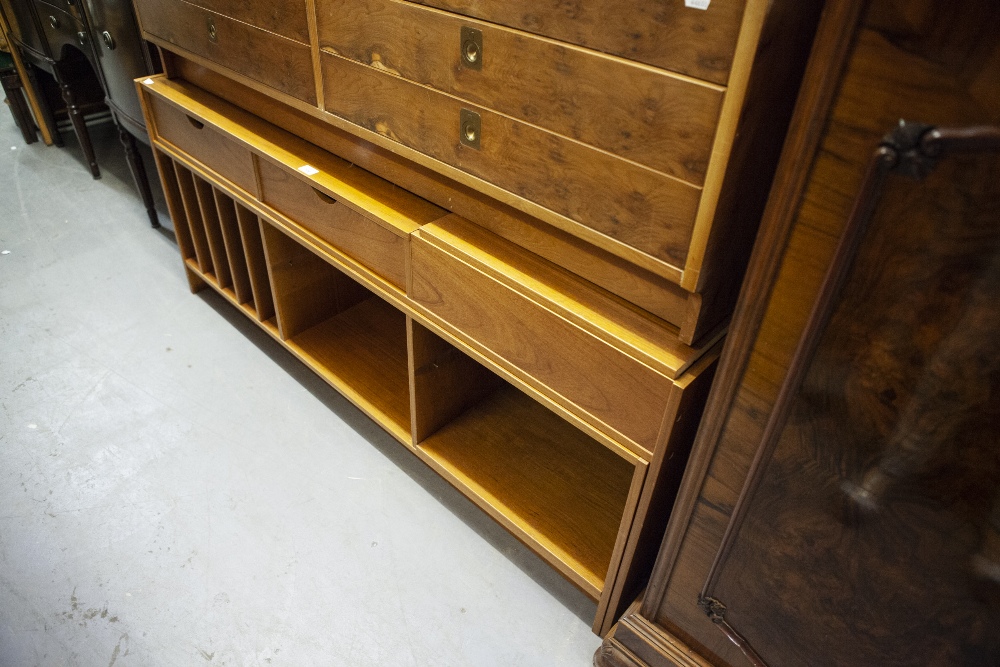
[(348, 335), (560, 491)]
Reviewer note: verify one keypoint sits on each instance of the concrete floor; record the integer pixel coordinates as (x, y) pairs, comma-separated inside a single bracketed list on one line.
[(176, 489)]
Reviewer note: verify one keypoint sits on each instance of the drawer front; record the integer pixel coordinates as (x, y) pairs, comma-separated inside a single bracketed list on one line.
[(282, 17), (203, 143), (274, 61), (585, 374), (374, 245), (660, 120), (60, 28), (624, 201), (670, 35)]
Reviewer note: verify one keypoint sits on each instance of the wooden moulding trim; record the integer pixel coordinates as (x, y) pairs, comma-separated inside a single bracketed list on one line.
[(829, 55), (290, 152), (732, 107), (634, 629), (613, 246), (607, 436)]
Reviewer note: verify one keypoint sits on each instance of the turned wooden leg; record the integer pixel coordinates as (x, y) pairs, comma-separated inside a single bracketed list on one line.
[(79, 126), (139, 175)]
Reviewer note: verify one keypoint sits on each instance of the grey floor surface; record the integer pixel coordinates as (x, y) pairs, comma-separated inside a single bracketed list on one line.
[(176, 489)]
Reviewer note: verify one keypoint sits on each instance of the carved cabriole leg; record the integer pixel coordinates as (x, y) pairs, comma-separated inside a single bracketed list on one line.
[(76, 118), (139, 175)]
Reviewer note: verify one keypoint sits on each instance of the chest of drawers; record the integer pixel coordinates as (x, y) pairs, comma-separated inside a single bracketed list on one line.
[(509, 232)]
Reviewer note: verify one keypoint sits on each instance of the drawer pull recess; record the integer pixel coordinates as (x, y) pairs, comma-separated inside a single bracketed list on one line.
[(323, 197), (196, 124), (470, 129), (472, 48)]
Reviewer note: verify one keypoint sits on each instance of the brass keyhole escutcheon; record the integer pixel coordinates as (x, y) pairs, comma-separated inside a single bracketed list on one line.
[(213, 35), (472, 48), (470, 129)]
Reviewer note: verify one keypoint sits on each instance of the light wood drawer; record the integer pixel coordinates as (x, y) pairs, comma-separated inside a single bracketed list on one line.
[(378, 244), (670, 34), (277, 62), (609, 364), (282, 17), (203, 142), (623, 201), (663, 121)]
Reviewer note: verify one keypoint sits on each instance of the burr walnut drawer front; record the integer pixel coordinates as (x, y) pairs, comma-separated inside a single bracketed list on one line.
[(371, 235), (672, 34), (571, 185), (200, 140), (658, 119), (256, 53), (611, 365)]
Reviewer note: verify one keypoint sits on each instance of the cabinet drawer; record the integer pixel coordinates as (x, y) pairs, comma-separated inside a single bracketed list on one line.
[(670, 35), (203, 143), (277, 62), (59, 27), (379, 245), (599, 359), (624, 201), (660, 120), (282, 17)]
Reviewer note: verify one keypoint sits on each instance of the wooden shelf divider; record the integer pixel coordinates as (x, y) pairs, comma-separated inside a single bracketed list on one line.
[(226, 208), (192, 213), (556, 488), (348, 335)]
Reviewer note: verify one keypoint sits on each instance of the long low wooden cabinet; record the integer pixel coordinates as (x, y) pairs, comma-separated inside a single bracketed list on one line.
[(562, 411), (512, 233), (841, 505)]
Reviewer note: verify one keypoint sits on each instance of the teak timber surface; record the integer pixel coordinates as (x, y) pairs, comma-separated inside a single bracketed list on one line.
[(922, 62), (659, 120), (665, 34), (626, 202)]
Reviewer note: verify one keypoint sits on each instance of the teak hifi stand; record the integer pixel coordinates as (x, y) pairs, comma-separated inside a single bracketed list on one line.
[(562, 411)]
